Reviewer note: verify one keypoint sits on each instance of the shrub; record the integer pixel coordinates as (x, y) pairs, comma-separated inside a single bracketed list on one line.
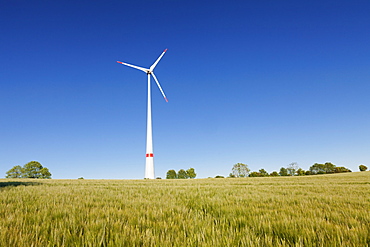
[(362, 168)]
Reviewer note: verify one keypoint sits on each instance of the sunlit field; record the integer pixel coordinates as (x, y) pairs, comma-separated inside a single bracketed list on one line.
[(321, 210)]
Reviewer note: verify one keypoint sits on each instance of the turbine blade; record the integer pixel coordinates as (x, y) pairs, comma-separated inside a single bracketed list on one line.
[(156, 62), (134, 66), (159, 86)]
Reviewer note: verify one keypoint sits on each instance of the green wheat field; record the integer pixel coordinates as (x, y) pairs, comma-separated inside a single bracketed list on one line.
[(321, 210)]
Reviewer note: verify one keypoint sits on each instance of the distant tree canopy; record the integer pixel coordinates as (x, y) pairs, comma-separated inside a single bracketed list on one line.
[(260, 173), (283, 172), (341, 169), (300, 172), (263, 173), (191, 173), (181, 174), (362, 168), (171, 174), (254, 174), (240, 170), (292, 170), (326, 168), (274, 174), (15, 172), (32, 169)]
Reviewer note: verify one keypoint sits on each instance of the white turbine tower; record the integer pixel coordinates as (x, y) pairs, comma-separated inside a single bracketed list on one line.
[(149, 160)]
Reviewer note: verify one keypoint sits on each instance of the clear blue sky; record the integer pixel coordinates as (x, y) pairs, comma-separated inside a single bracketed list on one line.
[(264, 83)]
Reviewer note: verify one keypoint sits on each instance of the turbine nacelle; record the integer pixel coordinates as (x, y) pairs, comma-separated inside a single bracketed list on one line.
[(149, 71)]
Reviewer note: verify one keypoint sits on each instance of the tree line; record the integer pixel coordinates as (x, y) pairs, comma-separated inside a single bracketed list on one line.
[(181, 174), (242, 170), (32, 169)]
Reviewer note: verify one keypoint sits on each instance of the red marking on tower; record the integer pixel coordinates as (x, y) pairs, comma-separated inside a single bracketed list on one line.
[(149, 155)]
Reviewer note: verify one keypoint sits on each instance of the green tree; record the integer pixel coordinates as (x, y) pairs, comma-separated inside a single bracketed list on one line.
[(191, 173), (283, 172), (263, 173), (255, 174), (171, 174), (181, 174), (15, 172), (240, 170), (32, 169), (362, 168), (341, 169), (317, 169), (329, 167), (322, 168), (274, 174), (292, 168), (45, 173), (301, 172)]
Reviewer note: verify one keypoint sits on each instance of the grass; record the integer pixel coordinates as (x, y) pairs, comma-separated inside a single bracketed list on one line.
[(322, 210)]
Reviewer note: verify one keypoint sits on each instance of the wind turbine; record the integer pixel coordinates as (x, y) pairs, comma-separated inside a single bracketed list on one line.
[(149, 160)]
